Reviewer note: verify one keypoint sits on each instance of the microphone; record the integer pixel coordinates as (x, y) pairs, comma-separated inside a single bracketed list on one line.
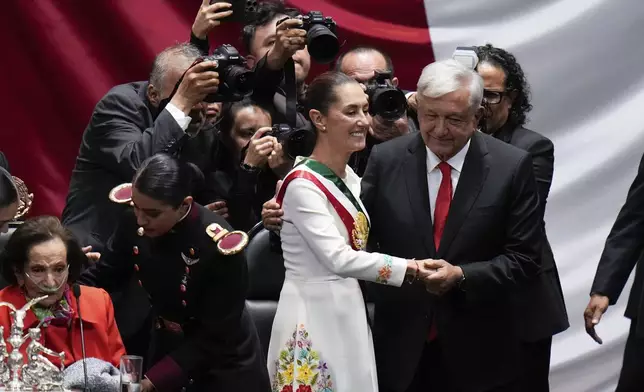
[(77, 292)]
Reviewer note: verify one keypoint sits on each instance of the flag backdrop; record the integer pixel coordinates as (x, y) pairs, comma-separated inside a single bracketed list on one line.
[(582, 58)]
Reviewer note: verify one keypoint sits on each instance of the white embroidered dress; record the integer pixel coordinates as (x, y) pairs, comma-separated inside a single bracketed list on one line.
[(321, 341)]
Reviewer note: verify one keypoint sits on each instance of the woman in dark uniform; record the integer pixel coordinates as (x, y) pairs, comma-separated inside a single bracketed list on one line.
[(195, 274)]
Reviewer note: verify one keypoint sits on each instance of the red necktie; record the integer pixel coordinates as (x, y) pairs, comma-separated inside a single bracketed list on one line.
[(443, 200)]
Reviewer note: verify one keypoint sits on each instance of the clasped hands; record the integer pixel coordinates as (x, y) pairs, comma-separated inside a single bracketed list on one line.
[(438, 276)]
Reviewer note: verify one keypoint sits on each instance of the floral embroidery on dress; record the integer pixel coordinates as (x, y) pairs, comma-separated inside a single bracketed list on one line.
[(299, 364), (384, 273)]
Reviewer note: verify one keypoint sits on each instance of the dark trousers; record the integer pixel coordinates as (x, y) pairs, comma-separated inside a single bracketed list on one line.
[(534, 378), (631, 378)]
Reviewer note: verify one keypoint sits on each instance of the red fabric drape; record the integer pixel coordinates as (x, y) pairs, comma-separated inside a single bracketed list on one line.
[(61, 56)]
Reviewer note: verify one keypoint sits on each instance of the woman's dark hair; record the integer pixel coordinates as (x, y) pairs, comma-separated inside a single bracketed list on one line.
[(321, 92), (8, 191), (515, 80), (229, 112), (167, 179), (35, 231)]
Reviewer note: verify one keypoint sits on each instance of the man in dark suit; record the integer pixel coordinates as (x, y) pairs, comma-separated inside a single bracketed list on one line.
[(622, 252), (507, 98), (470, 202), (131, 123)]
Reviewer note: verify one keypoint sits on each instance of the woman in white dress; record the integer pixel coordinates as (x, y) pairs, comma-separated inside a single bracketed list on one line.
[(321, 341)]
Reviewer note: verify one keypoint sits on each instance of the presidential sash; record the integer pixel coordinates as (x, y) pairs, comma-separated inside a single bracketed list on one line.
[(358, 226)]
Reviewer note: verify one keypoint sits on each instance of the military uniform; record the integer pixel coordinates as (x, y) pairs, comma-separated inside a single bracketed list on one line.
[(203, 338)]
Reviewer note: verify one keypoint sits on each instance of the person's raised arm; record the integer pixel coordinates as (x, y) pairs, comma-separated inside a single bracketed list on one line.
[(208, 17), (117, 129)]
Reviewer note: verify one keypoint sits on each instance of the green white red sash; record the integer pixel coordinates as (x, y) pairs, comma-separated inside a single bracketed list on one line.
[(358, 226)]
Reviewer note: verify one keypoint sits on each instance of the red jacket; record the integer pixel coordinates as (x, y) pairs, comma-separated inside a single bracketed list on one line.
[(102, 338)]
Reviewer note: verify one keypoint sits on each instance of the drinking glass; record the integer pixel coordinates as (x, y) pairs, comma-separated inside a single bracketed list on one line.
[(131, 369)]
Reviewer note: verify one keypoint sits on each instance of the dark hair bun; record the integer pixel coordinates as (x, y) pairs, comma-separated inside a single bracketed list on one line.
[(166, 179)]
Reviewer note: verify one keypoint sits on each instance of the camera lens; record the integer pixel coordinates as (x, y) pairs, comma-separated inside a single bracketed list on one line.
[(239, 79), (323, 45), (300, 142), (389, 103)]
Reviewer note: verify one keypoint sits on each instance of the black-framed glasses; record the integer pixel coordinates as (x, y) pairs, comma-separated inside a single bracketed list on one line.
[(493, 97)]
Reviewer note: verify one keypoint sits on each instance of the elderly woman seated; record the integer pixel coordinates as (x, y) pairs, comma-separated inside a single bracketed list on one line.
[(43, 259)]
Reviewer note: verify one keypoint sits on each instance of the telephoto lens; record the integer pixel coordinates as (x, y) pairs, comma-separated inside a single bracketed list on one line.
[(385, 100), (321, 41)]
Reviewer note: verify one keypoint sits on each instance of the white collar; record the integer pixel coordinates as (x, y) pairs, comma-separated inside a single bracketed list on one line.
[(456, 162)]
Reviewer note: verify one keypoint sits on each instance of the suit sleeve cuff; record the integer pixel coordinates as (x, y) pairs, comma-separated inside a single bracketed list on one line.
[(178, 116), (166, 375)]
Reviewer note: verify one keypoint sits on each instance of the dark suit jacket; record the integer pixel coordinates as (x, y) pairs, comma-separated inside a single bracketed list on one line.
[(123, 131), (623, 249), (492, 233), (216, 343), (546, 294)]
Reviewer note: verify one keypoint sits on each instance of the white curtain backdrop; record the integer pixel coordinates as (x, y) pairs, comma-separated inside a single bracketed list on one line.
[(584, 60)]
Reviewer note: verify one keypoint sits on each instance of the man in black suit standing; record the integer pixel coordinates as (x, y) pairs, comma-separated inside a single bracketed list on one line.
[(623, 252), (507, 98), (470, 202)]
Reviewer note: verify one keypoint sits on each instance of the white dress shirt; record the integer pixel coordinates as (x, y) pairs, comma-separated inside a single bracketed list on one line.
[(434, 175), (179, 116)]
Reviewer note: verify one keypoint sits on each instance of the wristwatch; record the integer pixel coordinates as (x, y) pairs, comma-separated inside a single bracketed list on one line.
[(248, 168), (461, 282)]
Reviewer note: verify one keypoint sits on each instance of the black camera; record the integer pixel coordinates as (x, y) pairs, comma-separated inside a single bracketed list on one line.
[(295, 142), (321, 40), (235, 80), (385, 100)]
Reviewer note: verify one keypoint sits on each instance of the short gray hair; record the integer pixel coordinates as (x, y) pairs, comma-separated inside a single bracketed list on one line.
[(168, 59), (443, 77)]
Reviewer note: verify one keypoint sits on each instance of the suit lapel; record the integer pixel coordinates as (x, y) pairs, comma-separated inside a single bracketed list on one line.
[(470, 182), (415, 172)]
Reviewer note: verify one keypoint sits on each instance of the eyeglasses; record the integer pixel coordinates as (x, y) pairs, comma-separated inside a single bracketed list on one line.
[(41, 273), (493, 97)]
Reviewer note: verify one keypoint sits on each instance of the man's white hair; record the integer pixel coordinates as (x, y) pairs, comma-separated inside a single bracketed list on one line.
[(443, 77)]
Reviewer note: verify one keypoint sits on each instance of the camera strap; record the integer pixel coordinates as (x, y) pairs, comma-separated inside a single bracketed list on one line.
[(290, 88)]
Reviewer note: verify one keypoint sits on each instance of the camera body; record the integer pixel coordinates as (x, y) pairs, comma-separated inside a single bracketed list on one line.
[(295, 142), (235, 80), (385, 100), (321, 40), (316, 18)]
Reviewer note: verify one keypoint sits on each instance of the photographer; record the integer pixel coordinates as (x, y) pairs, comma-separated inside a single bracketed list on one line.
[(249, 163), (130, 124), (269, 47), (362, 63)]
